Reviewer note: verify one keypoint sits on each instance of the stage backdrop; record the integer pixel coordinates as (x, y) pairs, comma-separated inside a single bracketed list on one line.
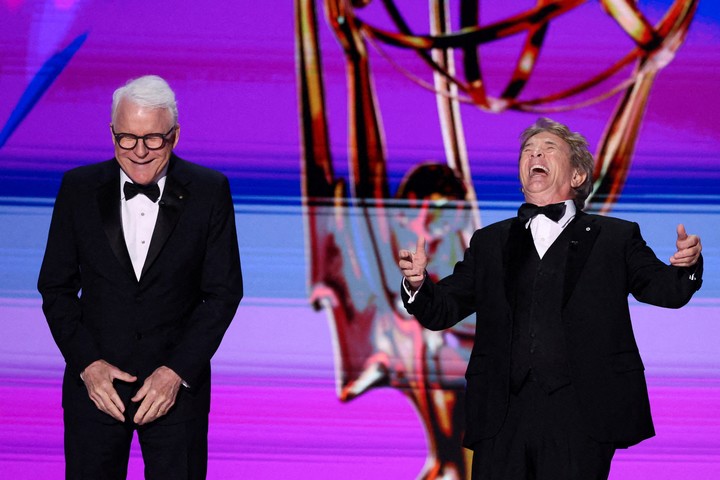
[(330, 121)]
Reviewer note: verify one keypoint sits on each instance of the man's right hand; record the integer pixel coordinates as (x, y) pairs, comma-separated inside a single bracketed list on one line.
[(412, 264), (98, 378)]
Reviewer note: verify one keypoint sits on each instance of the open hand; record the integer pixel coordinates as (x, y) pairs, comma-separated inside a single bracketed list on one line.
[(158, 395), (98, 378)]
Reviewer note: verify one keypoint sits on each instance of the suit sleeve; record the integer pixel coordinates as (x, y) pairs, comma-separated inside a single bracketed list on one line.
[(59, 285), (221, 290), (442, 305), (654, 282)]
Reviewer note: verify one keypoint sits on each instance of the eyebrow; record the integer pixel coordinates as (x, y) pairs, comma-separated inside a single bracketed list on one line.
[(544, 142)]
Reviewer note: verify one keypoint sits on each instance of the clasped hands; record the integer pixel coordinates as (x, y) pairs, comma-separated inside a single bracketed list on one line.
[(158, 392)]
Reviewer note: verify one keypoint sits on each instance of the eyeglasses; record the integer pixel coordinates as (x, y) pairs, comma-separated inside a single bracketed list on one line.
[(152, 141)]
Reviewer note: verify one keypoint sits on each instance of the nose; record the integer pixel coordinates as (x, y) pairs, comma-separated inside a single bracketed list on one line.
[(140, 149)]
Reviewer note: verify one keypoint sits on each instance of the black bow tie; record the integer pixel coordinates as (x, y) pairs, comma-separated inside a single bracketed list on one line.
[(152, 191), (554, 212)]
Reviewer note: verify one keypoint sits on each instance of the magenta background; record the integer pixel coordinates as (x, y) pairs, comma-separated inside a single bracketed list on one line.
[(232, 64)]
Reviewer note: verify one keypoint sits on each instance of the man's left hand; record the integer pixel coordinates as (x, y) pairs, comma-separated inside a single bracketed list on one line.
[(158, 395), (688, 249)]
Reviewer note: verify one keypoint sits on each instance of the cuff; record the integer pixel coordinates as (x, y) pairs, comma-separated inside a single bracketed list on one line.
[(411, 295)]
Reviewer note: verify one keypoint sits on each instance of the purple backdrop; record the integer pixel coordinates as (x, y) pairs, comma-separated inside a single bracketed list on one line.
[(275, 413)]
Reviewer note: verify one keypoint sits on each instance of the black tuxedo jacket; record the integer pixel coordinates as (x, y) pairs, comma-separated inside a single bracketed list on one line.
[(175, 315), (607, 259)]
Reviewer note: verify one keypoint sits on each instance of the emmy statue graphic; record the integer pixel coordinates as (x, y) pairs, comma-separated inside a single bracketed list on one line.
[(355, 226)]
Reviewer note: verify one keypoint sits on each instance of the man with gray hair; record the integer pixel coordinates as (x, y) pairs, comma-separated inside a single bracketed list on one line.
[(140, 280), (555, 382)]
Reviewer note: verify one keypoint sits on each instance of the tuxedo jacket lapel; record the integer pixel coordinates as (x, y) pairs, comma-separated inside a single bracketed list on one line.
[(517, 248), (108, 199), (583, 233), (172, 205)]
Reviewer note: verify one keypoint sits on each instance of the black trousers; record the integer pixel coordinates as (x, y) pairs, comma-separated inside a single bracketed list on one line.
[(542, 439), (95, 450)]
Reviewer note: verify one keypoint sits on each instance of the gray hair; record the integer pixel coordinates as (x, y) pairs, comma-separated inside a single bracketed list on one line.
[(580, 156), (148, 91)]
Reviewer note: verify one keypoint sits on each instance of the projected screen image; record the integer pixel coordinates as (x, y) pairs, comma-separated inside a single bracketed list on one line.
[(330, 121)]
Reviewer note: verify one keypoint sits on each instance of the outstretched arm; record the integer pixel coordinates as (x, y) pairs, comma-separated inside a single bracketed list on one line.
[(653, 281), (440, 305)]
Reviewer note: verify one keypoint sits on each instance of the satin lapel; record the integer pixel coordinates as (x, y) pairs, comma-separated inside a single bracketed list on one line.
[(583, 234), (108, 198), (515, 253), (172, 205)]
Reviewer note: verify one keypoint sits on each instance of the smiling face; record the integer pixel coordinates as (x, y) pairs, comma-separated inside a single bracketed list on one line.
[(140, 164), (546, 172)]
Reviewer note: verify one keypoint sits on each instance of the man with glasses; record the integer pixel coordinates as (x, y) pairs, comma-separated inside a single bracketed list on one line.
[(141, 278)]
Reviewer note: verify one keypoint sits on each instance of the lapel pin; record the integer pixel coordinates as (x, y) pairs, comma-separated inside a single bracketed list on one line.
[(587, 229)]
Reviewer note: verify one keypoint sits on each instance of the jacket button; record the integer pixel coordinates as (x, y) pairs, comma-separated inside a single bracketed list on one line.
[(138, 336)]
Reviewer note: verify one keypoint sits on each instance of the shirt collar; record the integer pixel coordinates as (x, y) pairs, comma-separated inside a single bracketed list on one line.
[(570, 212), (124, 178)]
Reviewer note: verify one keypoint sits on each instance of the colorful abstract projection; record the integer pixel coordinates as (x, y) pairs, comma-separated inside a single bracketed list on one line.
[(39, 84), (355, 227), (54, 18)]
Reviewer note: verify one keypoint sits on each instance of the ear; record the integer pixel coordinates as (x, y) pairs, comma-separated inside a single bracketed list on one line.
[(177, 135), (578, 179)]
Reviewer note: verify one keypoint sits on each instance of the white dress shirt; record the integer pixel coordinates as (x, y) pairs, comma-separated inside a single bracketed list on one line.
[(139, 215), (545, 231)]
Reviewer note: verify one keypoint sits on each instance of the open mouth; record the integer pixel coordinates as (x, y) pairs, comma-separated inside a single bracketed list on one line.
[(539, 170)]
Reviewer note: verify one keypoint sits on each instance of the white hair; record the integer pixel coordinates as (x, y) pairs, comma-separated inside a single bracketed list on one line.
[(148, 91)]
